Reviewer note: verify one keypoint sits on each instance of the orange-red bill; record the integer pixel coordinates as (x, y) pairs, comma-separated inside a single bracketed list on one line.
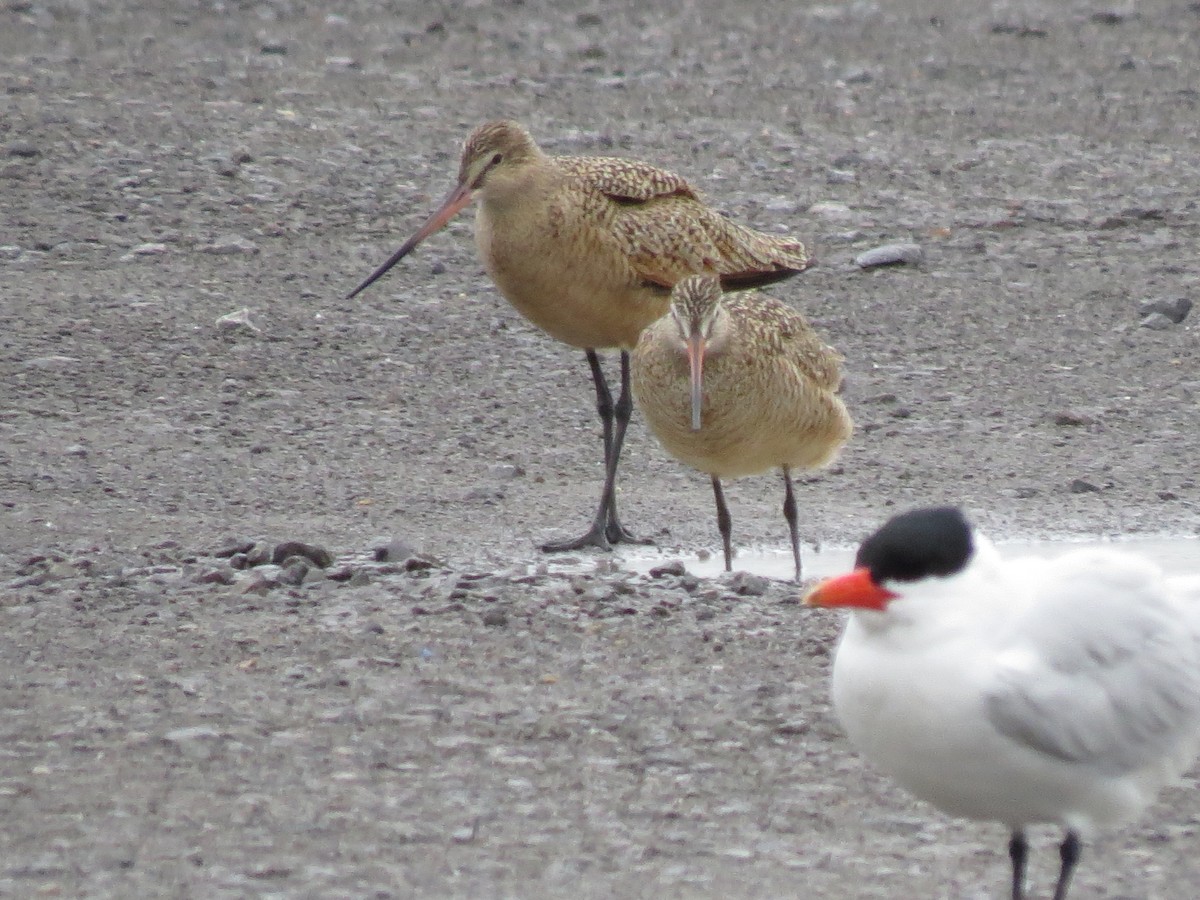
[(454, 202), (855, 589), (695, 354)]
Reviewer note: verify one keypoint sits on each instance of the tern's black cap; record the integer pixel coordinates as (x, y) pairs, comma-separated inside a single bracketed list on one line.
[(917, 544)]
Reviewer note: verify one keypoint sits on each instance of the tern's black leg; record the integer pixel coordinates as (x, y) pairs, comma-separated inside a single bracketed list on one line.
[(724, 523), (1018, 852), (606, 527), (789, 513), (1068, 851)]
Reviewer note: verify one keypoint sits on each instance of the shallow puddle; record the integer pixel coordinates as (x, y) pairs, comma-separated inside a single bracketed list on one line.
[(1177, 556)]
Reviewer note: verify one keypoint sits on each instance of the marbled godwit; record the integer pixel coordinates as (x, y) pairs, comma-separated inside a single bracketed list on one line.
[(588, 248), (736, 385)]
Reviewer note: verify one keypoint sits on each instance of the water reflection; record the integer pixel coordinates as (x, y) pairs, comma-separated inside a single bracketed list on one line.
[(1177, 556)]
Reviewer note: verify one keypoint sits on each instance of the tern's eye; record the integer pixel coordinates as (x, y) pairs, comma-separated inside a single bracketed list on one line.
[(497, 158)]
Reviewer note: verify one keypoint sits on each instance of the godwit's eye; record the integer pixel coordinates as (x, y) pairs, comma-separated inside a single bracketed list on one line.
[(496, 159)]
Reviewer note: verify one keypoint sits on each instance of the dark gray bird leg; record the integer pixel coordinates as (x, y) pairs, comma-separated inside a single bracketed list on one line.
[(606, 528), (1018, 852), (724, 523), (789, 513), (1068, 852)]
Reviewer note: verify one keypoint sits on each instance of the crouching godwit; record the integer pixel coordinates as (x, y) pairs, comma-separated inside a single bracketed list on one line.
[(736, 385), (588, 248)]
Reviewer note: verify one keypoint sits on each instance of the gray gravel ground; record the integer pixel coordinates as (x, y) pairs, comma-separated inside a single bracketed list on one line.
[(187, 192)]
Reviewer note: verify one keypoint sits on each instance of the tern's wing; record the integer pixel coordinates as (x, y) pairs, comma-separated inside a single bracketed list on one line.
[(1103, 668)]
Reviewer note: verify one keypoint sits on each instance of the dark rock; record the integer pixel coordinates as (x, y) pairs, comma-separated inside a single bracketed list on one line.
[(24, 149), (232, 546), (1082, 486), (1176, 310), (674, 567), (215, 576), (1071, 419), (293, 573), (496, 618), (1156, 321), (318, 556), (258, 555), (392, 550), (748, 585)]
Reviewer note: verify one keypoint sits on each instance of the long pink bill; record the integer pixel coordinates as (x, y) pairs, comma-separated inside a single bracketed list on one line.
[(455, 201), (695, 353)]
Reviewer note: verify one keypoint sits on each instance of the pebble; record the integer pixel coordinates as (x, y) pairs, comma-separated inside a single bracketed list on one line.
[(258, 554), (239, 320), (1072, 419), (1083, 486), (50, 362), (748, 585), (1156, 321), (1175, 310), (495, 618), (315, 554), (141, 250), (232, 546), (831, 210), (22, 148), (215, 576), (231, 245), (391, 550), (891, 255), (674, 567)]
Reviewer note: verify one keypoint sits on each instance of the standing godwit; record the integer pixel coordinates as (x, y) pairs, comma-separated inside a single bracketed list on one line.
[(736, 385), (588, 248)]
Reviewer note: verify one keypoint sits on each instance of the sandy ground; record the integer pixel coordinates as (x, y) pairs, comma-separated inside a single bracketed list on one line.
[(482, 721)]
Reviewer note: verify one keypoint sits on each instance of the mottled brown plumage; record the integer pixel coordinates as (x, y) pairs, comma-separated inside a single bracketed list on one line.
[(588, 248), (735, 385)]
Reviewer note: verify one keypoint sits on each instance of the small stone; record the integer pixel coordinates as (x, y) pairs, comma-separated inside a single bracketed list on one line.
[(192, 733), (293, 573), (141, 250), (831, 210), (1082, 486), (50, 362), (495, 618), (393, 550), (21, 148), (1167, 495), (273, 48), (317, 555), (258, 554), (1070, 419), (505, 471), (891, 255), (232, 546), (747, 585), (342, 62), (76, 450), (231, 245), (1156, 321), (215, 576), (360, 578), (674, 567), (238, 320), (1176, 310)]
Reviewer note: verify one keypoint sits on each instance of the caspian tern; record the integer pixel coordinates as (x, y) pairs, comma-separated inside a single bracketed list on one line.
[(1062, 691)]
